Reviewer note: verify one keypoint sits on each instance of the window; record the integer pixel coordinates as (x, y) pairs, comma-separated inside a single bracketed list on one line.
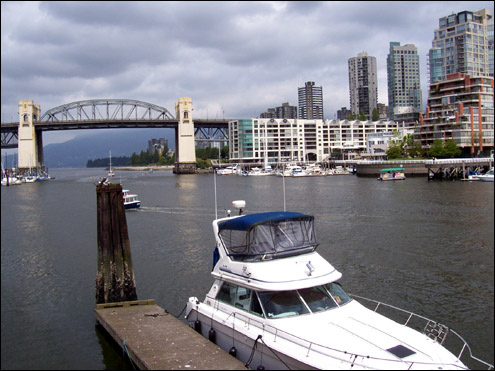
[(240, 297), (317, 298), (338, 293), (282, 304)]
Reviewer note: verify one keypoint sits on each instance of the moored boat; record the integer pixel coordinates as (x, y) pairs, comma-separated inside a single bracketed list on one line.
[(392, 174), (487, 177), (276, 303)]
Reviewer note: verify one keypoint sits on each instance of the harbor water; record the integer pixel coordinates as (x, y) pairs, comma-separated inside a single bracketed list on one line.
[(427, 247)]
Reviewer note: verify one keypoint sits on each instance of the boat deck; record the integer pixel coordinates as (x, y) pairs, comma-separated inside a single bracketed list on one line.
[(156, 340)]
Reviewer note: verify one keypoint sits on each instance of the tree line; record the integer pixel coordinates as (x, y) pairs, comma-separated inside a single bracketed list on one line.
[(407, 147), (144, 158)]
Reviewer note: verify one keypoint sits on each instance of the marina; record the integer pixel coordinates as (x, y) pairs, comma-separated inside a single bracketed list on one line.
[(424, 246)]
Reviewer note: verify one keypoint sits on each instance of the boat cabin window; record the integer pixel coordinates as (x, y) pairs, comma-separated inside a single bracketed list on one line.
[(265, 236), (240, 297), (317, 298), (338, 293), (279, 304)]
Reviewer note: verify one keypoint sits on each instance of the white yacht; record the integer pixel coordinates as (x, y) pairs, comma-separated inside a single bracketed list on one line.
[(487, 177), (229, 170), (275, 303)]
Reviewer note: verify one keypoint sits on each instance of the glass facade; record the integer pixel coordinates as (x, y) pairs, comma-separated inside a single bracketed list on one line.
[(404, 86), (461, 44)]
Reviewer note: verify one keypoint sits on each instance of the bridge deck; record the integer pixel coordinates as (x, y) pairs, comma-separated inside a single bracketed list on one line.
[(156, 340)]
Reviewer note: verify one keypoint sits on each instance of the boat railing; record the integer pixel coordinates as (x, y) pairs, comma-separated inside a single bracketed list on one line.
[(434, 330), (358, 360)]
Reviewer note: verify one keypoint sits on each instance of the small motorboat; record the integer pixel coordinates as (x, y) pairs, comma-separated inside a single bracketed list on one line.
[(130, 200)]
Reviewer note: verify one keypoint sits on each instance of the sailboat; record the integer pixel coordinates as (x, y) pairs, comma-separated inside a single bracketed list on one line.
[(110, 171)]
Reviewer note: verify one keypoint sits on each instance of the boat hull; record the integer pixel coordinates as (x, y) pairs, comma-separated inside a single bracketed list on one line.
[(132, 205), (249, 350)]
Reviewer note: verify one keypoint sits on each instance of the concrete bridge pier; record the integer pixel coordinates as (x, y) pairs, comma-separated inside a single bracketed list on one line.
[(30, 141), (184, 138)]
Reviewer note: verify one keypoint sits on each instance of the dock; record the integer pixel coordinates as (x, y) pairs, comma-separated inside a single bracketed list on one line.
[(156, 340)]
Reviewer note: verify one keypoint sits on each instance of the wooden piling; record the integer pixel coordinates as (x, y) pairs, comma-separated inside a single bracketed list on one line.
[(115, 278)]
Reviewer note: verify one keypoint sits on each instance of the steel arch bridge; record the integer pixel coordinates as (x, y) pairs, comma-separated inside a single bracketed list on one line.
[(113, 113), (106, 109)]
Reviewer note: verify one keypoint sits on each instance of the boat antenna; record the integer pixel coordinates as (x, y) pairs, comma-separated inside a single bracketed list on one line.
[(283, 182), (215, 186)]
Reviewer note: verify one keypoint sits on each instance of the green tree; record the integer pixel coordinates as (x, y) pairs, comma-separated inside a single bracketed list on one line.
[(156, 157), (224, 152), (351, 116), (416, 150), (375, 115), (450, 148), (394, 151), (362, 116), (436, 149)]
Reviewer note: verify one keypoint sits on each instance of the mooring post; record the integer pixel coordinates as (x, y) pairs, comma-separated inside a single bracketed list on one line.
[(115, 278)]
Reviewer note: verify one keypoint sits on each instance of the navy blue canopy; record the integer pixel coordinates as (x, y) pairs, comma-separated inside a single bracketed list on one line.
[(246, 222)]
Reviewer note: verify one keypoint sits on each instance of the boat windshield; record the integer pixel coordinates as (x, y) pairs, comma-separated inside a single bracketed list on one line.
[(264, 236), (279, 304)]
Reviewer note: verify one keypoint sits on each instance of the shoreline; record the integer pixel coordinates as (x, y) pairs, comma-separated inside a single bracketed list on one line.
[(143, 168)]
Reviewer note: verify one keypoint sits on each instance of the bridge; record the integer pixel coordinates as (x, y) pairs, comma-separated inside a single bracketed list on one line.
[(26, 135)]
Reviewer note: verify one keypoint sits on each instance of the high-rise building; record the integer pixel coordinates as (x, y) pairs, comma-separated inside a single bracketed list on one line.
[(285, 111), (490, 46), (404, 87), (310, 101), (363, 84), (460, 44), (343, 113)]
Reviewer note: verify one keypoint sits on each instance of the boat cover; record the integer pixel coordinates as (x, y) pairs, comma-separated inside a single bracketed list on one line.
[(271, 234)]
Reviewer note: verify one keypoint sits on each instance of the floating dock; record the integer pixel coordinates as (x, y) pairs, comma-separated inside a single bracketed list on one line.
[(156, 340)]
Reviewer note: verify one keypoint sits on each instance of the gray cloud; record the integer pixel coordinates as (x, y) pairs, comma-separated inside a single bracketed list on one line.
[(233, 58)]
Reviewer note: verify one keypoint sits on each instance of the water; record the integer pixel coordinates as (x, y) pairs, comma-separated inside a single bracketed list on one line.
[(422, 246)]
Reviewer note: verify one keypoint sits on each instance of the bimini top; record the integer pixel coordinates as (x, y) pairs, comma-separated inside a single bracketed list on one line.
[(262, 236), (393, 169)]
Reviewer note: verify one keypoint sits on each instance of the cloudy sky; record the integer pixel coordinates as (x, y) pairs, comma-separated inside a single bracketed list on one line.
[(235, 59)]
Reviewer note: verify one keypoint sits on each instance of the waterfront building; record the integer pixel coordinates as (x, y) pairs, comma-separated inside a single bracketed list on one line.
[(363, 84), (461, 44), (377, 145), (346, 139), (282, 140), (310, 101), (285, 111), (460, 108), (489, 28), (404, 86)]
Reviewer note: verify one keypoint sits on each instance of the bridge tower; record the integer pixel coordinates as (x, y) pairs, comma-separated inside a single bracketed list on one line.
[(30, 142), (185, 152)]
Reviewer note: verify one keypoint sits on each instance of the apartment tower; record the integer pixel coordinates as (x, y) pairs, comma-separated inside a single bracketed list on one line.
[(363, 84), (310, 101), (461, 44), (404, 87)]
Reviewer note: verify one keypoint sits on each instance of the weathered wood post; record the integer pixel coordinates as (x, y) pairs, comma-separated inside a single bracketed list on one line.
[(115, 278)]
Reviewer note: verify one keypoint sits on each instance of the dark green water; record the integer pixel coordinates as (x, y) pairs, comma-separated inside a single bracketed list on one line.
[(423, 246)]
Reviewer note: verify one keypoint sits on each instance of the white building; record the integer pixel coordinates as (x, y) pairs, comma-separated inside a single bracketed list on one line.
[(281, 140)]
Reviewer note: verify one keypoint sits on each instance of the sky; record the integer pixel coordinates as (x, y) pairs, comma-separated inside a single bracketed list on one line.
[(234, 59)]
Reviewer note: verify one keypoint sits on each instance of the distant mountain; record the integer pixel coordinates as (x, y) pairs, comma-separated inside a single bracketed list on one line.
[(97, 144)]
